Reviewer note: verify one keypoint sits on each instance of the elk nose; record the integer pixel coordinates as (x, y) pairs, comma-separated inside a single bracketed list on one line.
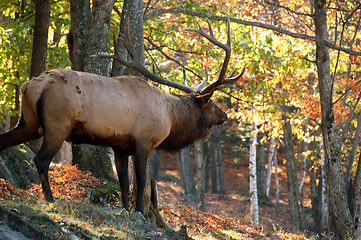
[(223, 118)]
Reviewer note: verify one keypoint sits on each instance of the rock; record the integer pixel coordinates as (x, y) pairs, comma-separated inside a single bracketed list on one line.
[(29, 226), (7, 233), (17, 166)]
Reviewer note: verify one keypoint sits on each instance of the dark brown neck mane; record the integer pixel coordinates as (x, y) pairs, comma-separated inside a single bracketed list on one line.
[(188, 124)]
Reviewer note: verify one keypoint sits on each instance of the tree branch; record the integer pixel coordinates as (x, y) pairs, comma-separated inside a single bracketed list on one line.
[(341, 38), (251, 23), (287, 9)]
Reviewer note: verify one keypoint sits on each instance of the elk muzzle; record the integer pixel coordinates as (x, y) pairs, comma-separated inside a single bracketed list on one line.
[(222, 118)]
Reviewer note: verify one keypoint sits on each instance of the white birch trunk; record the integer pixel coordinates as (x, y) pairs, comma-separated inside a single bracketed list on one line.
[(253, 176), (324, 209), (271, 153)]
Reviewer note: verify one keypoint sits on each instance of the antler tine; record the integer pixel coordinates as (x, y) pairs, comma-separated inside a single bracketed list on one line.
[(185, 77), (230, 80), (153, 68), (210, 37), (199, 86), (228, 31), (210, 27), (232, 73), (204, 83)]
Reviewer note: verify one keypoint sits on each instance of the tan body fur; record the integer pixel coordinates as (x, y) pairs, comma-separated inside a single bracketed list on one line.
[(100, 108)]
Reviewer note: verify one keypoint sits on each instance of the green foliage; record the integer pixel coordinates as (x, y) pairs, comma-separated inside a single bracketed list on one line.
[(16, 30), (58, 56), (15, 59)]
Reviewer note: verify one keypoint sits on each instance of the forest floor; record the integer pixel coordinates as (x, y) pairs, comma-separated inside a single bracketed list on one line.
[(72, 217), (235, 203)]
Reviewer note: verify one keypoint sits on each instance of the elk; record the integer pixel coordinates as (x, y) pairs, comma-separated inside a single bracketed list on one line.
[(125, 113)]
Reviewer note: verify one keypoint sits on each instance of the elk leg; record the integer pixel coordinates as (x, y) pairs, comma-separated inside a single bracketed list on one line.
[(140, 172), (121, 164), (46, 153)]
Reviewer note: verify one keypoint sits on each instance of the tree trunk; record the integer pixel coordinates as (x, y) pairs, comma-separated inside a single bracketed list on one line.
[(352, 154), (261, 168), (276, 178), (315, 200), (206, 153), (303, 165), (356, 191), (340, 213), (212, 159), (186, 168), (90, 157), (253, 176), (216, 161), (40, 39), (271, 155), (359, 225), (132, 16), (201, 166), (154, 160), (78, 35), (291, 175), (324, 202), (40, 48), (95, 159), (180, 168), (98, 37)]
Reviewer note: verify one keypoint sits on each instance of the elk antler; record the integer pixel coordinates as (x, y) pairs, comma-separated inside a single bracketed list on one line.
[(199, 86), (222, 81), (137, 66)]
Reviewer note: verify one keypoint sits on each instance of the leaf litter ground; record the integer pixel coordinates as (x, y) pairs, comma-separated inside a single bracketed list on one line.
[(71, 184)]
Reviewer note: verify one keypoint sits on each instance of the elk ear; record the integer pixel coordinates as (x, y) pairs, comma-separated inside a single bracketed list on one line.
[(203, 99)]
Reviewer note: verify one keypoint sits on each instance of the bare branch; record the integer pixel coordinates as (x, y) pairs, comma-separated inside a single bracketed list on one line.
[(342, 32), (251, 23)]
